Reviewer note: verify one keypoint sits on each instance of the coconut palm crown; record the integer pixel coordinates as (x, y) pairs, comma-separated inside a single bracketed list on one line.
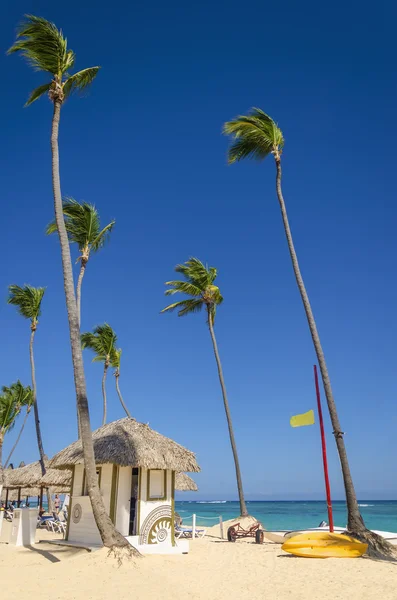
[(199, 284), (28, 301), (255, 135), (83, 227), (44, 47), (101, 341)]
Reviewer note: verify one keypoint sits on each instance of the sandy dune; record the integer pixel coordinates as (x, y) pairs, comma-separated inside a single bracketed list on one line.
[(214, 569)]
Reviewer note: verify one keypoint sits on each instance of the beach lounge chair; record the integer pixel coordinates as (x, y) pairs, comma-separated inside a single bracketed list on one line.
[(187, 532)]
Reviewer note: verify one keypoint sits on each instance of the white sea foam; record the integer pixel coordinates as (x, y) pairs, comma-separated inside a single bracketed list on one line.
[(212, 502), (366, 504)]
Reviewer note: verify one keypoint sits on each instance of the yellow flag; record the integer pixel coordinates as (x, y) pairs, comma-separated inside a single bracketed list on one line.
[(305, 419)]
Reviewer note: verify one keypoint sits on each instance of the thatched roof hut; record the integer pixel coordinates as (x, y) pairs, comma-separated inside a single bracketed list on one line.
[(13, 493), (30, 476), (130, 444), (184, 483)]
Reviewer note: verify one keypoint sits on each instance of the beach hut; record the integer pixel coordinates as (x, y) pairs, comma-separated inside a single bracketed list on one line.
[(136, 469)]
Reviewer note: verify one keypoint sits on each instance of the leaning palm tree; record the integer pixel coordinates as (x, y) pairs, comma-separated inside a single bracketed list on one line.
[(84, 229), (9, 410), (199, 285), (24, 397), (257, 136), (115, 360), (45, 49), (101, 341), (28, 301)]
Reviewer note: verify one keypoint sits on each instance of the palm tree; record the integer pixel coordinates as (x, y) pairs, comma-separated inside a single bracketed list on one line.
[(84, 229), (115, 363), (45, 49), (199, 285), (9, 410), (28, 301), (256, 136), (24, 397), (102, 341)]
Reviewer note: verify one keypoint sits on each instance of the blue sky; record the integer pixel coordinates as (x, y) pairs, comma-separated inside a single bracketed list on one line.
[(145, 146)]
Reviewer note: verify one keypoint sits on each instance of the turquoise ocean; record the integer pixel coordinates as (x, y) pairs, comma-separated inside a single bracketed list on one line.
[(377, 514)]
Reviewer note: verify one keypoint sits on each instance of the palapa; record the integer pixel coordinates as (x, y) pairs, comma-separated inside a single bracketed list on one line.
[(30, 476), (184, 483), (128, 443)]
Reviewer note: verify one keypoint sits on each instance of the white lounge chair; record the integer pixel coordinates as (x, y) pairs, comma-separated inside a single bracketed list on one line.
[(187, 532)]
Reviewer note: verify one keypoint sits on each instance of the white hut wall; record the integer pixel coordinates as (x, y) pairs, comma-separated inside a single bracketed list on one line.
[(82, 526), (156, 506)]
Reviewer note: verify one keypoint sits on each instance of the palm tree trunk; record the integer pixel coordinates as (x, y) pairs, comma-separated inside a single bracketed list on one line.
[(17, 440), (117, 375), (355, 520), (78, 289), (243, 507), (109, 535), (105, 372), (35, 406), (78, 302)]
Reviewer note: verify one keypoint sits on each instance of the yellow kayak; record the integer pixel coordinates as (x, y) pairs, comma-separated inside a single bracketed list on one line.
[(319, 544)]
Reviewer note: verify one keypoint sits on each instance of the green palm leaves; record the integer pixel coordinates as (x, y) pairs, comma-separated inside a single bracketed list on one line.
[(255, 135), (83, 226), (12, 399), (102, 341), (44, 47), (199, 284), (28, 300)]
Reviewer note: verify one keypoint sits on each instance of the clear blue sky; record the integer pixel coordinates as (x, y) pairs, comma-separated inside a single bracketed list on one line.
[(145, 146)]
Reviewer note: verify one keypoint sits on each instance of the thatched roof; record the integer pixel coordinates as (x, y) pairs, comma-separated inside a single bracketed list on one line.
[(184, 483), (130, 444), (13, 494), (30, 477)]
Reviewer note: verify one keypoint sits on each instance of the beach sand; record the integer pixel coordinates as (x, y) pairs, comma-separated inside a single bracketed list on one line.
[(214, 569)]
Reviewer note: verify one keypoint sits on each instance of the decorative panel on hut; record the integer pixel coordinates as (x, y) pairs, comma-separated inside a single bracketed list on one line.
[(136, 469)]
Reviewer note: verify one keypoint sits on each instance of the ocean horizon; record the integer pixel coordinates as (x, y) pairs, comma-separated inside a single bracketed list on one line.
[(289, 514)]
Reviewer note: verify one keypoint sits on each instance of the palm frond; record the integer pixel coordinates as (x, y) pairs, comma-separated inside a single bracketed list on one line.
[(28, 300), (22, 395), (102, 237), (80, 81), (184, 287), (43, 45), (102, 341), (9, 410), (83, 225), (184, 307), (115, 358), (255, 135), (37, 93)]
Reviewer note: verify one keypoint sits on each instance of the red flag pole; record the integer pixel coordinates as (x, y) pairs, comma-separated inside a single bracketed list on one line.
[(324, 448)]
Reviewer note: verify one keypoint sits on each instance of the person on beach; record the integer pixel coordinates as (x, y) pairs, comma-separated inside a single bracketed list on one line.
[(57, 503)]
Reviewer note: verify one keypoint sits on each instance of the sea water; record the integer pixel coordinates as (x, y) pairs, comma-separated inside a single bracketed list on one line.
[(377, 514)]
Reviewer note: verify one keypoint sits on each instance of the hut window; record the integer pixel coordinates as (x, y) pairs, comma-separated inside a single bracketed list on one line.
[(156, 484), (85, 488)]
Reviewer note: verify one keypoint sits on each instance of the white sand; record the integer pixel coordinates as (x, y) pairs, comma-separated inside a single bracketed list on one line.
[(213, 570)]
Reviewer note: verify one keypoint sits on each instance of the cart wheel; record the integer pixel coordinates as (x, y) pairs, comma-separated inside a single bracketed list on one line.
[(231, 534), (259, 536)]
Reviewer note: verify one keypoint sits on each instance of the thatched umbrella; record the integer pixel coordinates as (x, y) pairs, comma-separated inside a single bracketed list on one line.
[(130, 444), (59, 481), (184, 483)]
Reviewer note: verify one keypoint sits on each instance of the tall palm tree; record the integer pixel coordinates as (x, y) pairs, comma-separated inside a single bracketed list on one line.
[(24, 397), (84, 229), (199, 285), (257, 136), (45, 49), (28, 301), (9, 410), (115, 363), (102, 341)]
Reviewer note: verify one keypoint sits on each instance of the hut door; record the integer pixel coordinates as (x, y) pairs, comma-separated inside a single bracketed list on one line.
[(134, 502)]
